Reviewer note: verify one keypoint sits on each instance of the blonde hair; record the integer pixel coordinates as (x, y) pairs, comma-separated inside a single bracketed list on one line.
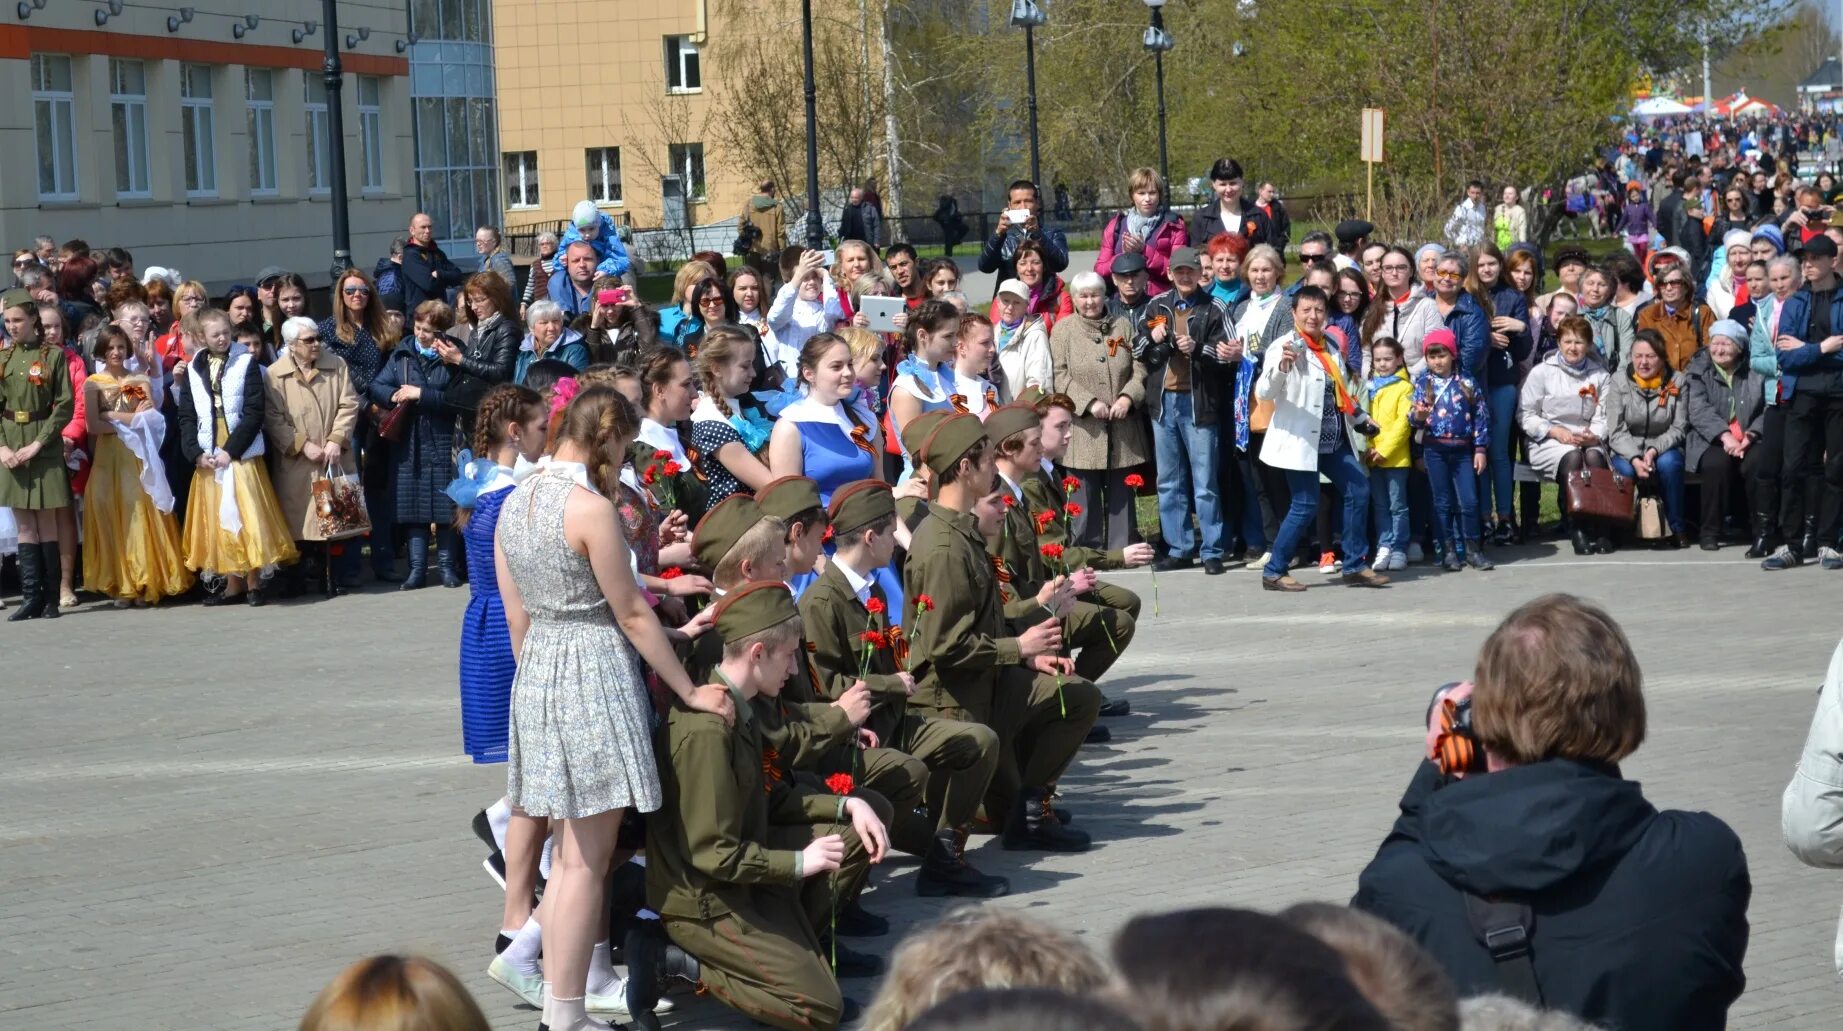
[(979, 948), (1557, 679), (762, 543), (1141, 178), (775, 637), (1263, 252), (690, 273), (863, 342), (394, 993), (722, 345)]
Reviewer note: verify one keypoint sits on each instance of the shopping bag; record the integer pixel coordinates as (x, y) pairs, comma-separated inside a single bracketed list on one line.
[(1650, 519), (339, 505)]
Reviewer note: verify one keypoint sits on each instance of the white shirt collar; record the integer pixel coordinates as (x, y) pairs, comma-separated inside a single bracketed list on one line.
[(663, 438), (859, 585), (1016, 491)]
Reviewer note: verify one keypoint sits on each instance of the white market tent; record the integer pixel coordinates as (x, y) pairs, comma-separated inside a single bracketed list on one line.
[(1659, 107)]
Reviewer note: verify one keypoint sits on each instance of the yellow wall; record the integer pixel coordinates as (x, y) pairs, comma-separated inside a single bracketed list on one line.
[(575, 74)]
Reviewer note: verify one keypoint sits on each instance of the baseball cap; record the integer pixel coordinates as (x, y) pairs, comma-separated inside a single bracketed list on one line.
[(1185, 257), (1817, 247), (270, 272), (1014, 287), (1353, 229)]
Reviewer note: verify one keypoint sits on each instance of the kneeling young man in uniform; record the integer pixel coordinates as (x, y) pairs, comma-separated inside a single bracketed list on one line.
[(740, 861), (842, 608), (966, 663)]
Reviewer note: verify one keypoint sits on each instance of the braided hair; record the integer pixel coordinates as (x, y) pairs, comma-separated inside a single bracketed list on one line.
[(722, 345), (505, 403), (603, 421)]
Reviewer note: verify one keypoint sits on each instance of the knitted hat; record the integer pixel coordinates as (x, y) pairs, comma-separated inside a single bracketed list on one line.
[(860, 503), (1736, 238), (722, 527), (1441, 339), (755, 606), (788, 497)]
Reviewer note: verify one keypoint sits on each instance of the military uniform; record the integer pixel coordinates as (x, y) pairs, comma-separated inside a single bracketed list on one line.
[(1042, 493), (1097, 633), (723, 868)]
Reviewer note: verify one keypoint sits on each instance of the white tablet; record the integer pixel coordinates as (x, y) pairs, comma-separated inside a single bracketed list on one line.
[(881, 312)]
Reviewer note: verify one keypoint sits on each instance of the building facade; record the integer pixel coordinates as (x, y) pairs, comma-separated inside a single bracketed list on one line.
[(452, 90), (203, 144), (604, 101)]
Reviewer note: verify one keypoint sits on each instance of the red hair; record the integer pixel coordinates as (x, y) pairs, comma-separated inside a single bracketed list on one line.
[(1227, 243)]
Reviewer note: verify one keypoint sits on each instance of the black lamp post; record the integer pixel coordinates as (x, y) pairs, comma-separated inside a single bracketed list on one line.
[(815, 229), (336, 140), (1026, 15), (1157, 40)]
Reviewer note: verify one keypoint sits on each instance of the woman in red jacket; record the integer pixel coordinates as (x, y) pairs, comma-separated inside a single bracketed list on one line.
[(1147, 228)]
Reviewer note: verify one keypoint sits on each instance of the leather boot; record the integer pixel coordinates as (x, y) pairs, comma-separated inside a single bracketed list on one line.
[(31, 584), (451, 573), (51, 562), (945, 871), (1807, 543), (1033, 825), (1581, 545), (419, 566), (1765, 536), (651, 959)]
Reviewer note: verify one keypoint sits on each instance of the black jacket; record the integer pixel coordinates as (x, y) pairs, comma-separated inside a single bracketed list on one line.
[(490, 358), (1640, 916), (1209, 326), (428, 275), (1257, 225), (249, 420)]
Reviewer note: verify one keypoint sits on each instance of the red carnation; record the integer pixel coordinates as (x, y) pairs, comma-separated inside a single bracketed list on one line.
[(923, 603), (874, 638), (1044, 519), (840, 783), (673, 468), (650, 476), (1010, 501), (671, 573), (660, 456), (876, 606), (1071, 510), (1053, 552), (1135, 481), (1070, 484)]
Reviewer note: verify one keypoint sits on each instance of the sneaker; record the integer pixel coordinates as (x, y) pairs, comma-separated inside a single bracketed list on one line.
[(529, 987), (1397, 562), (1261, 563), (1328, 563), (1784, 558), (1415, 552), (1829, 558), (615, 1003), (1383, 556)]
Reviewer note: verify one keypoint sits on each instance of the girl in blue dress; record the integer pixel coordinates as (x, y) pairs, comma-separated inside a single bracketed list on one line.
[(925, 378), (508, 433), (824, 438)]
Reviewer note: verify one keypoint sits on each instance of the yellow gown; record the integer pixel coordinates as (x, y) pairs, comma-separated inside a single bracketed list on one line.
[(130, 548), (264, 541)]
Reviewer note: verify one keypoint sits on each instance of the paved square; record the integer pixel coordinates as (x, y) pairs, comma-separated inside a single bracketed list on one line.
[(210, 812)]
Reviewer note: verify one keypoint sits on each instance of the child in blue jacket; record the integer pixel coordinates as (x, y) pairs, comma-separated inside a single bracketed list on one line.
[(1454, 417)]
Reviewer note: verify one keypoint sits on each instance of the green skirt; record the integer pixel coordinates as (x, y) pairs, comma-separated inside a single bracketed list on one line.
[(40, 483)]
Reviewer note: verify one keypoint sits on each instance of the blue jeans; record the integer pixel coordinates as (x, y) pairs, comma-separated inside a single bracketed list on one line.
[(1186, 455), (1670, 474), (1388, 499), (1503, 401), (1352, 483), (1455, 493)]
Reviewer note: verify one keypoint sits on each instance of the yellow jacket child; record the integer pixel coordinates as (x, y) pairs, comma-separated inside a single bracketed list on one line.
[(1387, 399)]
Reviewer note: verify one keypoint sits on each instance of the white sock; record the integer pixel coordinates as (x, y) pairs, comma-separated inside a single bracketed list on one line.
[(602, 979), (638, 859), (522, 954), (498, 815), (544, 859), (569, 1015)]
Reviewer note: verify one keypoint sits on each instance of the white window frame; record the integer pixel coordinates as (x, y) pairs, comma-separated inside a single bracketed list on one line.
[(371, 134), (319, 134), (678, 49), (524, 165), (198, 129), (692, 193), (604, 175), (59, 107), (132, 108), (261, 128)]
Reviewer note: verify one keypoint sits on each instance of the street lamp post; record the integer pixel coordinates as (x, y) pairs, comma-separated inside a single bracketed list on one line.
[(815, 229), (1026, 15), (1157, 40), (336, 138)]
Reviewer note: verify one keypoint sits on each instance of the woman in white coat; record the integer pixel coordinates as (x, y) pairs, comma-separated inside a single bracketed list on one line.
[(1811, 812), (1317, 427)]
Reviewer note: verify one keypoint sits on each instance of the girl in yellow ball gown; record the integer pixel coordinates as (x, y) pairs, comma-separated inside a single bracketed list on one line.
[(131, 549)]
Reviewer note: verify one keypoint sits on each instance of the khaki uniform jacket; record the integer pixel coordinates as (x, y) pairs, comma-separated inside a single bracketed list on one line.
[(298, 413), (798, 728), (1042, 493), (833, 618), (705, 845), (956, 649)]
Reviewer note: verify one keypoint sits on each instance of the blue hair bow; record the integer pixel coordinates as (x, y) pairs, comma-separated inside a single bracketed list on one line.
[(475, 474)]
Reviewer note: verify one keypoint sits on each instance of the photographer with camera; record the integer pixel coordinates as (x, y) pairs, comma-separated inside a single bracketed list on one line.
[(1527, 865)]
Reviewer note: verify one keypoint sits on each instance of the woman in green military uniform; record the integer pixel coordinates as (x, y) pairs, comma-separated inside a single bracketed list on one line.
[(35, 401)]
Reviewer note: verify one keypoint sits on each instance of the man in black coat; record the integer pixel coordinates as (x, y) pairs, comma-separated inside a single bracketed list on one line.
[(851, 219), (428, 275), (1599, 904)]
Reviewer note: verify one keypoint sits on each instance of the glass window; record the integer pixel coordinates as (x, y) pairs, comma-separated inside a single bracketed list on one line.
[(259, 91), (521, 179), (682, 72), (319, 134), (426, 18), (604, 174), (54, 116), (198, 126), (687, 159), (371, 132), (128, 119)]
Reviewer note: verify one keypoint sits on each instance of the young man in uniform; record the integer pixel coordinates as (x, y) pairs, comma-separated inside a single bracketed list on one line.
[(966, 662), (838, 610), (745, 867)]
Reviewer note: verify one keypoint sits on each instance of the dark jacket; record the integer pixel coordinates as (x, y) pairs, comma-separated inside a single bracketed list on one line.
[(1710, 403), (621, 344), (249, 420), (1795, 321), (490, 358), (1468, 323), (427, 275), (388, 275), (851, 222), (1640, 916), (1000, 252), (1502, 365), (422, 463), (1209, 326), (1257, 225)]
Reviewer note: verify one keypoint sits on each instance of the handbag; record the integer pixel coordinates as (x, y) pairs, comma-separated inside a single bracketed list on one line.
[(1598, 493), (395, 425), (1650, 518), (339, 505)]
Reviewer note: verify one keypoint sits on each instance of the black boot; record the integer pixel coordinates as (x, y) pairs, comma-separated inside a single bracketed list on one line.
[(1033, 825), (31, 584), (51, 563), (451, 574), (651, 960), (848, 962), (1807, 544), (854, 921), (419, 567), (1581, 545), (945, 871), (1764, 540)]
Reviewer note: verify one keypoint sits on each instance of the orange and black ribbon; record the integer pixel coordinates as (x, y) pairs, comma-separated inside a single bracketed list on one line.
[(860, 436), (959, 403)]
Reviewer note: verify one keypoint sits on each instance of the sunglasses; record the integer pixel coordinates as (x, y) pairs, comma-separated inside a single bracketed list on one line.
[(1447, 277), (1303, 256), (355, 291), (306, 339)]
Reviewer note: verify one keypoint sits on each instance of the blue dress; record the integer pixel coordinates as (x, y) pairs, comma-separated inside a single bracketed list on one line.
[(932, 387), (487, 666), (831, 458)]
